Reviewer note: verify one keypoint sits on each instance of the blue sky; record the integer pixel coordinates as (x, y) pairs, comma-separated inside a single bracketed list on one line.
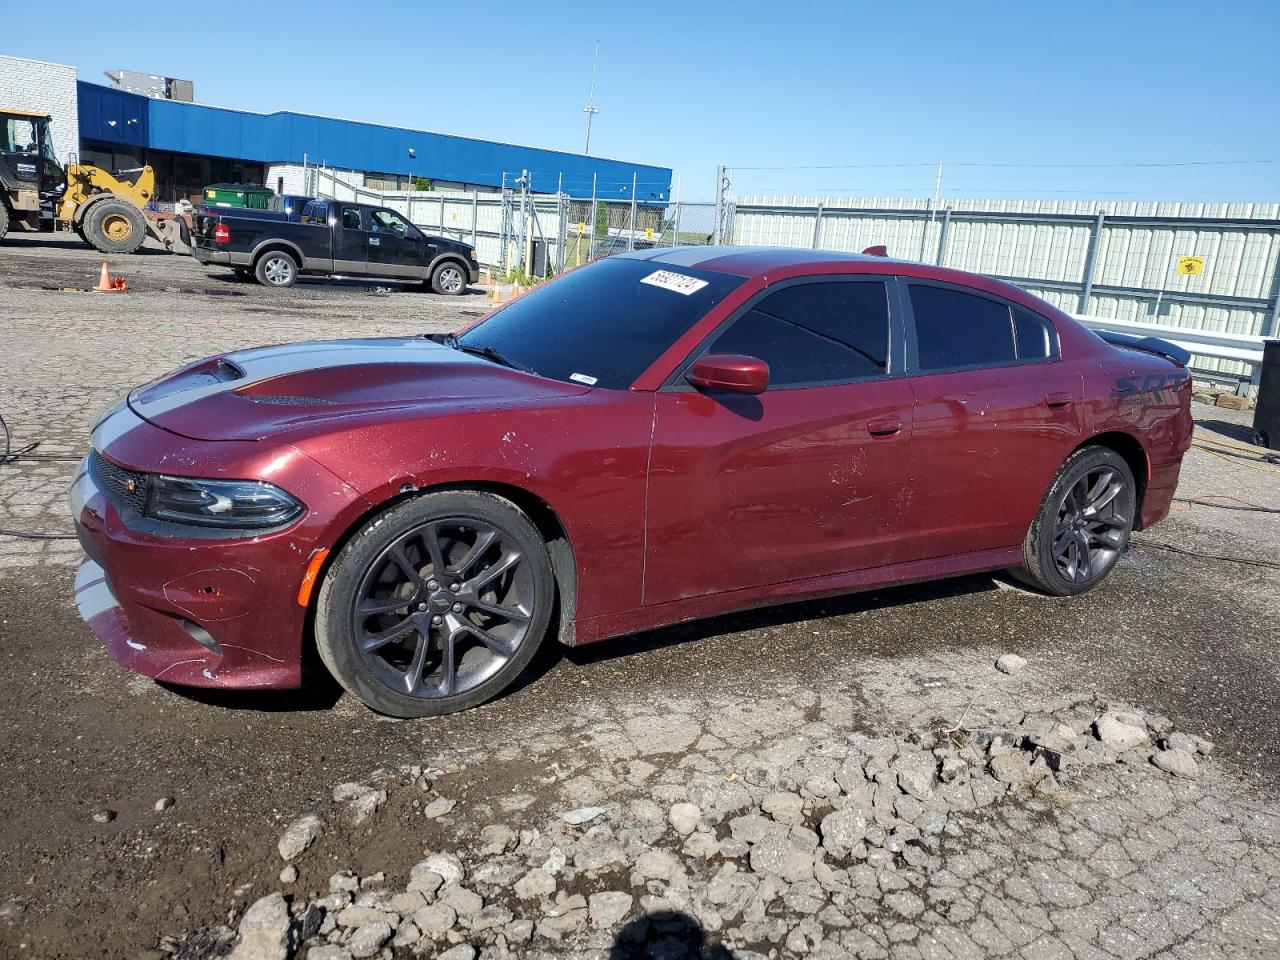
[(1018, 99)]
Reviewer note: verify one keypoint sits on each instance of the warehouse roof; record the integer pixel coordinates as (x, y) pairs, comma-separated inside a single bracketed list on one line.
[(128, 119)]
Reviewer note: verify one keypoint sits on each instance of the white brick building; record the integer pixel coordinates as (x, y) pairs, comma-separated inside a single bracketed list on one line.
[(44, 88)]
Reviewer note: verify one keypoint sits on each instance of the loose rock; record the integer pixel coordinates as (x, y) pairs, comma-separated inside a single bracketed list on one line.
[(264, 930), (1011, 664), (1180, 763), (608, 909), (299, 835)]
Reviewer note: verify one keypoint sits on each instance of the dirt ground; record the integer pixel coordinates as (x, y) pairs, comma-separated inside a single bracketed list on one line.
[(1190, 637)]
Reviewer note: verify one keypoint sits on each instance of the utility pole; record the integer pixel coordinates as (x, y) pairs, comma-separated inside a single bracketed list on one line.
[(590, 109), (722, 197)]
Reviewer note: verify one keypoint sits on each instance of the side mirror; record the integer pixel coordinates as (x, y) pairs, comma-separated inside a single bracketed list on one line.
[(730, 373)]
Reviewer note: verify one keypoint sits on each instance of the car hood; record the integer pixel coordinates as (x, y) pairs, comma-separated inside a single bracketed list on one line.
[(301, 388)]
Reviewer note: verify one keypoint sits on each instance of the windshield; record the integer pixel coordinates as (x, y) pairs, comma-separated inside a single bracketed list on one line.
[(603, 324)]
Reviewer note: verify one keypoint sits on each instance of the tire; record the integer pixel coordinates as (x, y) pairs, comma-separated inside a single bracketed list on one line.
[(449, 279), (276, 268), (4, 220), (1262, 439), (427, 615), (114, 226), (1083, 525)]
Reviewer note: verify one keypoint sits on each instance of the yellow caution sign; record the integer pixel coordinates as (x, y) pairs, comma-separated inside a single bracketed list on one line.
[(648, 233), (582, 228), (1190, 266)]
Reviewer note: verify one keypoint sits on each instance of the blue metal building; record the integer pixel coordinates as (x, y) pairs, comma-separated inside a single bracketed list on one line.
[(236, 144)]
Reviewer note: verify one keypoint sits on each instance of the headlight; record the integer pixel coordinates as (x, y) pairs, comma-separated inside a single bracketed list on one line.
[(245, 504)]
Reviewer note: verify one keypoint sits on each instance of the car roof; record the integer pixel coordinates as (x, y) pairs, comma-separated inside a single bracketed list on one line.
[(760, 261), (749, 261)]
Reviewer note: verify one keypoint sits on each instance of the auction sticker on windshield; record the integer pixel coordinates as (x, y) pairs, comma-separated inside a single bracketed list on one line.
[(677, 282)]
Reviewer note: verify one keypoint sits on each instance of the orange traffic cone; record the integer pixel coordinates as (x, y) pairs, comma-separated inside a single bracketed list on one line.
[(107, 285), (495, 295)]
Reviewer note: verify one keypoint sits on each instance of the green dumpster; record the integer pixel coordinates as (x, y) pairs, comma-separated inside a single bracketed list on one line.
[(245, 195)]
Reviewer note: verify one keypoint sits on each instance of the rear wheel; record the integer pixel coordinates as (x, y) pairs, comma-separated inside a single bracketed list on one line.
[(449, 279), (437, 605), (4, 220), (1083, 525), (276, 269), (114, 226)]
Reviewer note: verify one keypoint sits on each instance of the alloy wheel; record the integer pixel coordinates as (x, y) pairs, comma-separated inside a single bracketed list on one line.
[(278, 270), (1091, 528), (443, 607), (451, 279)]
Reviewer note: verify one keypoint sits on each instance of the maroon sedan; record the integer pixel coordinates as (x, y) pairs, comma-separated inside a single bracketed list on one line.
[(659, 436)]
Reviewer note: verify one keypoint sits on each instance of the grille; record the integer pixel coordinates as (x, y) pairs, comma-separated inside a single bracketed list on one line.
[(126, 487)]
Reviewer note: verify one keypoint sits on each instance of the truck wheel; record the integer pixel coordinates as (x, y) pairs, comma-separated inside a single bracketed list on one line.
[(449, 279), (4, 220), (115, 226), (276, 269)]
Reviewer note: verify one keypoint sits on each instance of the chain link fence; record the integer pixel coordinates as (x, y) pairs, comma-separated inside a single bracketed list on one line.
[(533, 234)]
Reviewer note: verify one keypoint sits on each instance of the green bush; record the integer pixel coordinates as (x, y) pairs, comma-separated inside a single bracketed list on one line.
[(421, 183)]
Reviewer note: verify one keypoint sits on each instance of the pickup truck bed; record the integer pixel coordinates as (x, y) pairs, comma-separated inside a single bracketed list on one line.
[(332, 237)]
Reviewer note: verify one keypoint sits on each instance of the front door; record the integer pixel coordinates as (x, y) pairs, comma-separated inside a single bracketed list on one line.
[(996, 414), (396, 247), (804, 480)]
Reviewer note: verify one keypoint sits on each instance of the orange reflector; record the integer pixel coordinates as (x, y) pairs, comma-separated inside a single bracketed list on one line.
[(309, 578)]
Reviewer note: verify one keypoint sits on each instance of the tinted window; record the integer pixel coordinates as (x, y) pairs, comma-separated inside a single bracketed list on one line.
[(602, 324), (815, 333), (956, 329), (351, 218), (1036, 339)]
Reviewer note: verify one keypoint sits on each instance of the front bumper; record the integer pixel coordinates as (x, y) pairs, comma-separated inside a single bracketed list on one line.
[(184, 605), (172, 612)]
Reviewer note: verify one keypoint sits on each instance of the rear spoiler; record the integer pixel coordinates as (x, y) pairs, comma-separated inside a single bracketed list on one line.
[(1163, 348)]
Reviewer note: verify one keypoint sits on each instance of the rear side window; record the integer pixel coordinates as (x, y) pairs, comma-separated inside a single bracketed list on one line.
[(1036, 339), (955, 329), (813, 333)]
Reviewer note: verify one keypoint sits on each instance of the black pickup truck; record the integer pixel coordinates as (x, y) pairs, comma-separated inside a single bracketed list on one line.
[(332, 238)]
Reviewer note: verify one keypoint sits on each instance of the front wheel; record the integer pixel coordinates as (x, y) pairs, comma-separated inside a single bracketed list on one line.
[(1083, 525), (276, 269), (449, 279), (114, 226), (437, 605)]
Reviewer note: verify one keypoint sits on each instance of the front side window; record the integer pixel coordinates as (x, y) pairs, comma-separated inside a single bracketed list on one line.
[(955, 329), (812, 333), (384, 221)]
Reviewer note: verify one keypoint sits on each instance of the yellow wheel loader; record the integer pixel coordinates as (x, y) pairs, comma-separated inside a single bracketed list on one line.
[(39, 193)]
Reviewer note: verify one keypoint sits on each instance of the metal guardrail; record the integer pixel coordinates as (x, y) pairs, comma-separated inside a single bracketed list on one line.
[(1211, 344)]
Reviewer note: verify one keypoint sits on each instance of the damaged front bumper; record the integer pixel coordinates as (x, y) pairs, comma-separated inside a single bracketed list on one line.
[(189, 606)]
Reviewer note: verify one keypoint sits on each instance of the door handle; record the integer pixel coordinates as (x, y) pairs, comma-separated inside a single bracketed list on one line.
[(1055, 401), (884, 428), (374, 241)]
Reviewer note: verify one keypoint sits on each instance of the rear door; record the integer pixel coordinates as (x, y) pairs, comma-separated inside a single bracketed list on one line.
[(801, 481), (396, 247), (350, 239), (996, 413)]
